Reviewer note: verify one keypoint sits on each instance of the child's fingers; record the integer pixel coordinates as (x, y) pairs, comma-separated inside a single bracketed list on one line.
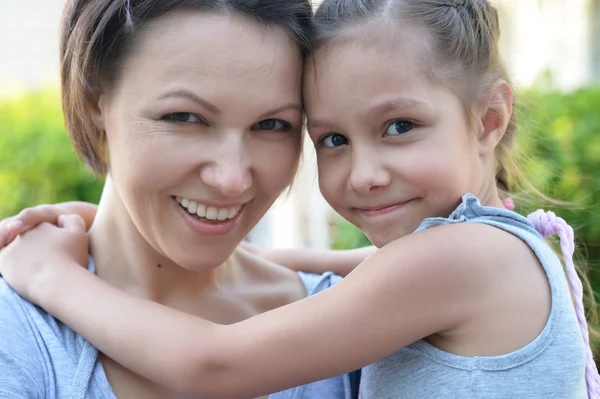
[(73, 223), (7, 228), (15, 227), (10, 238), (32, 217)]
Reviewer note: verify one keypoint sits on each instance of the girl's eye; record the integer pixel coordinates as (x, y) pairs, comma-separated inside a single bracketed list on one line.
[(333, 140), (182, 117), (272, 124), (398, 128)]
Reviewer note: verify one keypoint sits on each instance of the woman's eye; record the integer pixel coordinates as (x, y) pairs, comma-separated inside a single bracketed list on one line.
[(272, 124), (182, 117), (333, 140), (398, 128)]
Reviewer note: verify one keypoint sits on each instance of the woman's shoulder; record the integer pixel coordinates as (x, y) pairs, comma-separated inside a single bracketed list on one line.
[(16, 313), (22, 370), (315, 283), (278, 284), (295, 284), (38, 352), (31, 323)]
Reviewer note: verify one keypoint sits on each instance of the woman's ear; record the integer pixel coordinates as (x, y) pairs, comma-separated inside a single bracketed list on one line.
[(497, 110), (97, 110)]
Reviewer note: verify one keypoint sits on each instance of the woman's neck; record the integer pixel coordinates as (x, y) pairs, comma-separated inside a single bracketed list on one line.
[(124, 259)]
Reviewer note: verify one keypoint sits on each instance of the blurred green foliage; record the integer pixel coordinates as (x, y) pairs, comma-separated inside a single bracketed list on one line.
[(37, 162)]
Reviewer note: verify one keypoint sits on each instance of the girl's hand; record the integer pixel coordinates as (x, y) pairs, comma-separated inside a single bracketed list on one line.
[(28, 262), (29, 218)]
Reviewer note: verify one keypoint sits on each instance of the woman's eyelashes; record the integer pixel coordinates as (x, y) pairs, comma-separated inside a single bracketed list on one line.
[(183, 117), (264, 125), (272, 125)]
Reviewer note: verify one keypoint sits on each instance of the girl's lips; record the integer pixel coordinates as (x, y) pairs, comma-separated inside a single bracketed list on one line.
[(382, 210)]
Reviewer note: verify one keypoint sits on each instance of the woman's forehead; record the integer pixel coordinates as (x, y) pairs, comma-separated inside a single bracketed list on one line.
[(215, 54)]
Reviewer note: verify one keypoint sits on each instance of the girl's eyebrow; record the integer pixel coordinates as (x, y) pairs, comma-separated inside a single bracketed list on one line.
[(401, 103), (315, 123), (397, 104)]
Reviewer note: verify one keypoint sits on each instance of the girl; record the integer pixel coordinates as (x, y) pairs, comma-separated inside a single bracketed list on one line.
[(411, 114)]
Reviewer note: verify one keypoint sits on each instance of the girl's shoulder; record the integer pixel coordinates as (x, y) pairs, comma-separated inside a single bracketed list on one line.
[(481, 235)]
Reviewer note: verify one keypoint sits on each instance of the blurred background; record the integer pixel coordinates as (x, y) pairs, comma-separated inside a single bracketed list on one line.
[(552, 48)]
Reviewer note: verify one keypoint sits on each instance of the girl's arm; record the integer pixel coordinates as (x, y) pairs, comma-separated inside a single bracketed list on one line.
[(29, 218), (341, 262), (419, 285), (312, 261)]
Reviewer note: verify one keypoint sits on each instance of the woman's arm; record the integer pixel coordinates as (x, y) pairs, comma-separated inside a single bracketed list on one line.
[(421, 284)]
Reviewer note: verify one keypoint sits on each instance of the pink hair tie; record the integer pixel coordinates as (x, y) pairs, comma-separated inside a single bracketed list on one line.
[(548, 224), (508, 203)]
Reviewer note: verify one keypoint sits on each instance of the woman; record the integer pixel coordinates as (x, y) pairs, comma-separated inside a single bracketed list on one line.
[(192, 110)]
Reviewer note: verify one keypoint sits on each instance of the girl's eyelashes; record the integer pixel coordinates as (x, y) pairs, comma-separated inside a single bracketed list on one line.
[(183, 117), (332, 140), (399, 127)]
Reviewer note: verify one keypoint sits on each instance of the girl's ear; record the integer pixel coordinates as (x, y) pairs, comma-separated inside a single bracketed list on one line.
[(495, 116)]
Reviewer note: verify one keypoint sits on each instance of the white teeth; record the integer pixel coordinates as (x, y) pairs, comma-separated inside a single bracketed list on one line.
[(208, 212), (211, 213), (223, 214)]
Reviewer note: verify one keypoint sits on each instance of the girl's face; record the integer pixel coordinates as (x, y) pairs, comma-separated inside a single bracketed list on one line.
[(204, 132), (393, 148)]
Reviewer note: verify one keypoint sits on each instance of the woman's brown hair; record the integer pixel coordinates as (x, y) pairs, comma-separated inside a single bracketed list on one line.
[(97, 36)]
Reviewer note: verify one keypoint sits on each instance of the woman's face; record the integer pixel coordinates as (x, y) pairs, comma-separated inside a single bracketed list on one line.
[(204, 131)]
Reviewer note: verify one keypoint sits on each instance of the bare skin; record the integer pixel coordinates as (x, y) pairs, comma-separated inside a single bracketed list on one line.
[(249, 287)]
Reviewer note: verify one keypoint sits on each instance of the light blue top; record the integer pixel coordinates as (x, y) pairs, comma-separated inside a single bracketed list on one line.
[(42, 358), (550, 367)]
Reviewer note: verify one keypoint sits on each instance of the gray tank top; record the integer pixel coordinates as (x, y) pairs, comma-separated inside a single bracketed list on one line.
[(550, 367)]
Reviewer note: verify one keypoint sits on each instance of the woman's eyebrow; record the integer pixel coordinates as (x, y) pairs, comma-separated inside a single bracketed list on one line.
[(182, 93)]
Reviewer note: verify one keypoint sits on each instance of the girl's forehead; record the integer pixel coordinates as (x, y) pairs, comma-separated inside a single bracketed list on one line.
[(358, 65)]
